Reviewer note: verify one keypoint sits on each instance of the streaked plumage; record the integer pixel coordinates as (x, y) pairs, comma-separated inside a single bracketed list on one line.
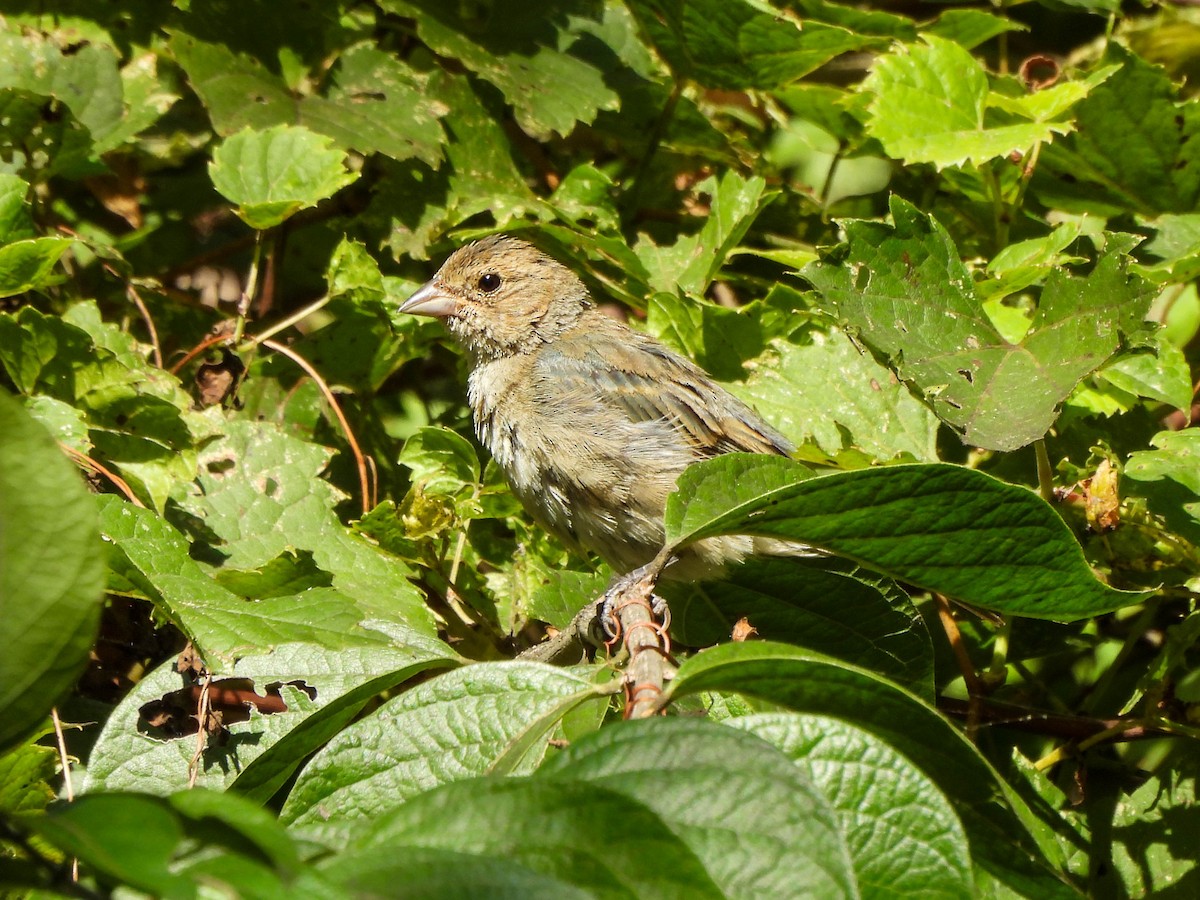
[(590, 420)]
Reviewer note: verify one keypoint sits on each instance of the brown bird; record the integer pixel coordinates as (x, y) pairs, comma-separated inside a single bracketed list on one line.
[(591, 421)]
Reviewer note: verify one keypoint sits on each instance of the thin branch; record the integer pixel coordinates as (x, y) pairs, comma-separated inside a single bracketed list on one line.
[(1060, 725), (363, 476), (243, 308), (202, 731), (975, 687), (64, 759), (136, 299), (294, 319), (210, 341), (86, 462)]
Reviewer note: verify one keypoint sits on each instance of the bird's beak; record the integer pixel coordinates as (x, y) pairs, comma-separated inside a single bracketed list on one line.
[(430, 300)]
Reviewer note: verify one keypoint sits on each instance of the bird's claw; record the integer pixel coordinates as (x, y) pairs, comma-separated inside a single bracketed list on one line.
[(633, 588)]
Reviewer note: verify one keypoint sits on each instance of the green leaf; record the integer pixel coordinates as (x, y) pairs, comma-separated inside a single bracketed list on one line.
[(1176, 242), (691, 263), (1162, 375), (1169, 478), (29, 264), (51, 574), (944, 528), (374, 103), (443, 461), (903, 835), (740, 43), (1152, 827), (929, 101), (149, 843), (16, 218), (584, 198), (258, 495), (43, 137), (903, 288), (563, 594), (429, 872), (827, 605), (322, 691), (272, 174), (377, 104), (480, 719), (85, 80), (860, 20), (806, 683), (719, 339), (26, 773), (65, 423), (151, 553), (482, 176), (1026, 263), (708, 782), (827, 391), (135, 412), (547, 827), (354, 273), (128, 838), (521, 50), (970, 27), (1135, 148)]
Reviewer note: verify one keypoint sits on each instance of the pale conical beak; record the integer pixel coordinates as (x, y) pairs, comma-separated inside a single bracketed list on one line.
[(430, 300)]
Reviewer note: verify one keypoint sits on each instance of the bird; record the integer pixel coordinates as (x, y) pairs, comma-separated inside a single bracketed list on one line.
[(591, 421)]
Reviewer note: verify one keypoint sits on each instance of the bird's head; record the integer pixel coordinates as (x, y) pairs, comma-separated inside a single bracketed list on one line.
[(501, 297)]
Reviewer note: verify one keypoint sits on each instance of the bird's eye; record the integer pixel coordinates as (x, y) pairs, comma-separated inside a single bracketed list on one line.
[(489, 282)]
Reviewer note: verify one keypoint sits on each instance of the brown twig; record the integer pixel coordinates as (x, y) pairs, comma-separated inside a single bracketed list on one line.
[(975, 687), (202, 731), (1060, 725), (86, 462), (364, 479), (68, 782), (136, 299), (211, 341)]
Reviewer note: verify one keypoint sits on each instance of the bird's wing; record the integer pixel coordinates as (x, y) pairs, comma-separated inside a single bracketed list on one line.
[(647, 382)]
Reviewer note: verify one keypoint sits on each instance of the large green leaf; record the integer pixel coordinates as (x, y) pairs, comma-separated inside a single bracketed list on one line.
[(904, 290), (710, 783), (804, 682), (530, 831), (271, 175), (151, 554), (524, 50), (321, 690), (1136, 147), (944, 528), (258, 496), (825, 390), (51, 574), (740, 43), (150, 843), (374, 104), (903, 835), (929, 104), (827, 605), (491, 717)]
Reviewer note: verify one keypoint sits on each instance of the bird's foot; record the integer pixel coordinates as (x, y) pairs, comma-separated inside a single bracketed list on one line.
[(635, 588)]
